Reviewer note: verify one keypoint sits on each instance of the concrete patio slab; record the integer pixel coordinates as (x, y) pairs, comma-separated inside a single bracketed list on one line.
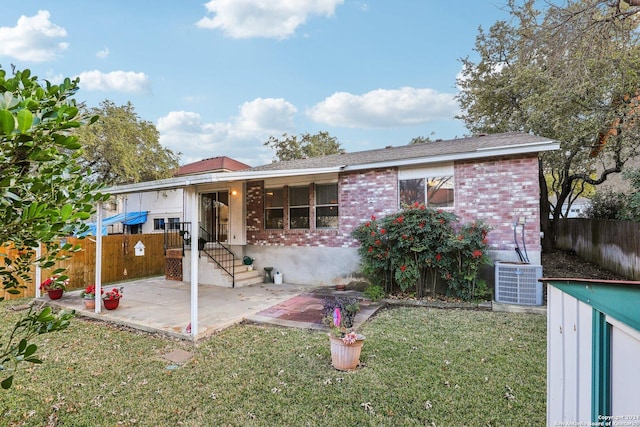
[(162, 306)]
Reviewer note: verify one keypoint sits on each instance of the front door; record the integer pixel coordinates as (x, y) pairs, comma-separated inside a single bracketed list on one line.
[(215, 216)]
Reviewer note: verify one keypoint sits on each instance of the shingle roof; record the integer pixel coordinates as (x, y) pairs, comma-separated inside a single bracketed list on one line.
[(450, 147), (214, 164)]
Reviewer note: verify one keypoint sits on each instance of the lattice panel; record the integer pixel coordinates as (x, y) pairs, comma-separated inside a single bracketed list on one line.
[(173, 269)]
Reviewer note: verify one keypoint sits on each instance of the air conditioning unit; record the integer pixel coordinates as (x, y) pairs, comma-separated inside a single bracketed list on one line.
[(517, 283)]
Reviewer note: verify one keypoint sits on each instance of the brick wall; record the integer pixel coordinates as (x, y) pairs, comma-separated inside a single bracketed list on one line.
[(361, 194), (500, 191)]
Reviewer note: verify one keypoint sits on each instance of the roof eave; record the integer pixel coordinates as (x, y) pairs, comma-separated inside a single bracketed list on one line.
[(210, 178), (480, 153)]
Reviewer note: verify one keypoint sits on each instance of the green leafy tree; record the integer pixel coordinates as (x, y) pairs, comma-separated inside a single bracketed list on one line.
[(292, 147), (568, 73), (120, 148), (421, 139), (43, 196)]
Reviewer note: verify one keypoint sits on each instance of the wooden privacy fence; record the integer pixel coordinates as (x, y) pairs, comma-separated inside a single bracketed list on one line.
[(119, 261), (613, 245)]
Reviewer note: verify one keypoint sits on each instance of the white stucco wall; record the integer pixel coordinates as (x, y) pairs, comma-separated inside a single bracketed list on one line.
[(306, 265)]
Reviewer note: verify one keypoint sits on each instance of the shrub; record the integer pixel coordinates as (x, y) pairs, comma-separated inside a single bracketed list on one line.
[(374, 292), (417, 245)]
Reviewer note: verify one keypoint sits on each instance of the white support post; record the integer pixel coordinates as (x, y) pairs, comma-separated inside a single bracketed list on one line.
[(192, 198), (38, 278), (98, 270)]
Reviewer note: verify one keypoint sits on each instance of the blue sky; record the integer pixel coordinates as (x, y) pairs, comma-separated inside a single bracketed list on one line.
[(219, 77)]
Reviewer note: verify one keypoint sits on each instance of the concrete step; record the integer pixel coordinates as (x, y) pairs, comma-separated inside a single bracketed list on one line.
[(248, 281)]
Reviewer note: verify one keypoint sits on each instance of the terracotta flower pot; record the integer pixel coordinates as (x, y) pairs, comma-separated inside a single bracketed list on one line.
[(345, 357), (90, 303), (111, 304), (55, 293)]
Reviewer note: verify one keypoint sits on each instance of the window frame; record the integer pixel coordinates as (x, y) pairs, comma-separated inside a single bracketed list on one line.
[(299, 207), (318, 206), (269, 209)]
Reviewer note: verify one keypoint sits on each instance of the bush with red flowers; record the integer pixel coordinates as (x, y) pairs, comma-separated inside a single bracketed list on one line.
[(418, 246)]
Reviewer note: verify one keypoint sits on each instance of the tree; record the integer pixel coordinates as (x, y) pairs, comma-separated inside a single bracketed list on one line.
[(43, 196), (290, 147), (122, 149), (570, 76)]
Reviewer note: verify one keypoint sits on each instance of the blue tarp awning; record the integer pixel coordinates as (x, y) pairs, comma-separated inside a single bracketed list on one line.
[(127, 218)]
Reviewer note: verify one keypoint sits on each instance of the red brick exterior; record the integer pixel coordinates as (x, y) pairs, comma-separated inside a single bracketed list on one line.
[(497, 190), (360, 195), (500, 191)]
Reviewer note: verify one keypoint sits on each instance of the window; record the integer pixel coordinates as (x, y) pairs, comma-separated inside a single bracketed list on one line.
[(158, 223), (174, 223), (411, 191), (274, 208), (298, 207), (440, 192), (327, 206), (437, 192)]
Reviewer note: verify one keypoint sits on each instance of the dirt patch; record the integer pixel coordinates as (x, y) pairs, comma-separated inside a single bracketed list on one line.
[(566, 264)]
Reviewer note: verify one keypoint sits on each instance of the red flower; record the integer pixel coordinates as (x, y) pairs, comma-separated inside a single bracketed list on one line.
[(378, 242), (370, 249), (403, 268), (373, 234), (382, 231), (399, 219), (416, 204), (421, 225), (373, 217), (438, 257), (422, 207), (367, 224), (404, 236), (477, 253)]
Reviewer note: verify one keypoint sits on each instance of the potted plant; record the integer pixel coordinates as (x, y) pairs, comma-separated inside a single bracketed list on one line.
[(55, 286), (89, 296), (346, 344), (111, 298), (349, 308)]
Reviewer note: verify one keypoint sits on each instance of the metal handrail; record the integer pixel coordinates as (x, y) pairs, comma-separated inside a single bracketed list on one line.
[(178, 235), (219, 253)]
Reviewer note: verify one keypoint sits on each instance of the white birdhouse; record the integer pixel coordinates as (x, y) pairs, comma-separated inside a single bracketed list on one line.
[(139, 248)]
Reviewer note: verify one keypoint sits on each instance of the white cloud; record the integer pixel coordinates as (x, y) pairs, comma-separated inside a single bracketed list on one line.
[(103, 53), (384, 108), (241, 138), (33, 39), (119, 81), (276, 19)]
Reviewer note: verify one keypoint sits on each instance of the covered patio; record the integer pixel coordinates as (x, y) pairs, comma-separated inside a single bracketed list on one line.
[(163, 306)]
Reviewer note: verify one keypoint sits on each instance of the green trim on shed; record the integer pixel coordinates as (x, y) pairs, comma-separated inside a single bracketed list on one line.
[(600, 367), (621, 302)]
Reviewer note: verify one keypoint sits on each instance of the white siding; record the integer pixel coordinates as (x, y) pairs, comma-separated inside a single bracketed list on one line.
[(625, 376), (568, 359)]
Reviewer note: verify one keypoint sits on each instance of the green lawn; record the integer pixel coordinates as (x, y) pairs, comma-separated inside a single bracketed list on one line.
[(421, 367)]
